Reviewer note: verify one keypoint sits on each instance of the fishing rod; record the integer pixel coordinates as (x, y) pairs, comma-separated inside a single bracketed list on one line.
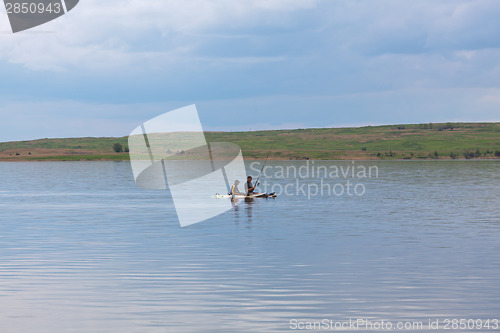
[(263, 165)]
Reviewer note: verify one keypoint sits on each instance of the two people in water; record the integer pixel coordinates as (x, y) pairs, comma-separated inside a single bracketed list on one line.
[(249, 187)]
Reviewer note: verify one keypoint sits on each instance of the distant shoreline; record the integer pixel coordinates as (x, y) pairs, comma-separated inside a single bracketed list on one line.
[(247, 160), (441, 141)]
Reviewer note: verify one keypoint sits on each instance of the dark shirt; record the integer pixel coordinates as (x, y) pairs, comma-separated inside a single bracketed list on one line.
[(248, 188)]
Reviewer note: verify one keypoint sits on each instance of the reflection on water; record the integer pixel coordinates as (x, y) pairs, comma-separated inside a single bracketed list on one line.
[(245, 209), (83, 249)]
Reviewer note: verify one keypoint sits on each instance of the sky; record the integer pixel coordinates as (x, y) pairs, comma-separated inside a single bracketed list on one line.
[(107, 66)]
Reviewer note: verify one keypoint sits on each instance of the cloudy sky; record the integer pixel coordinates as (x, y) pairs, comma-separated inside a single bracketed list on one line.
[(107, 66)]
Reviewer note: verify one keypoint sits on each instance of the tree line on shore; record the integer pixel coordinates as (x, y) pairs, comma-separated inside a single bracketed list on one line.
[(436, 155)]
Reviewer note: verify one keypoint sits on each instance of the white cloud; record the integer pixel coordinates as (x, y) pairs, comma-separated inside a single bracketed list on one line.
[(260, 62), (114, 34), (491, 98)]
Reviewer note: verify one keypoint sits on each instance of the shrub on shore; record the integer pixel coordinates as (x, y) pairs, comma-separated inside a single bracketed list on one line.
[(118, 148)]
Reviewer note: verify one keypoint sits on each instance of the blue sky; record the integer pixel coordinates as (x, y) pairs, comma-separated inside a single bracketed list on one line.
[(104, 68)]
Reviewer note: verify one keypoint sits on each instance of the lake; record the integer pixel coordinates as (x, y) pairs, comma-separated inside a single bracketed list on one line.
[(83, 249)]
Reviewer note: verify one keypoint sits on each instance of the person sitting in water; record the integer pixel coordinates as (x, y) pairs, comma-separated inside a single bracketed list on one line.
[(235, 190), (249, 188)]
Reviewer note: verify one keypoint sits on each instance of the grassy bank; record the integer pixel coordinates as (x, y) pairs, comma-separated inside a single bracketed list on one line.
[(416, 141)]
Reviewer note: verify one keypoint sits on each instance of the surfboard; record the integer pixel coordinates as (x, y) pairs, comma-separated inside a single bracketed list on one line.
[(258, 195)]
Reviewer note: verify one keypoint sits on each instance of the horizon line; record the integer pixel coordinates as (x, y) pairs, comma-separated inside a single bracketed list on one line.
[(270, 130)]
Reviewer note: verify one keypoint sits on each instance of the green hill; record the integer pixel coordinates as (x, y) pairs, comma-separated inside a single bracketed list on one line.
[(417, 141)]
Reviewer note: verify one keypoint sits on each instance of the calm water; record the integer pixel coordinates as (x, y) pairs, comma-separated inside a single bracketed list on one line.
[(82, 249)]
